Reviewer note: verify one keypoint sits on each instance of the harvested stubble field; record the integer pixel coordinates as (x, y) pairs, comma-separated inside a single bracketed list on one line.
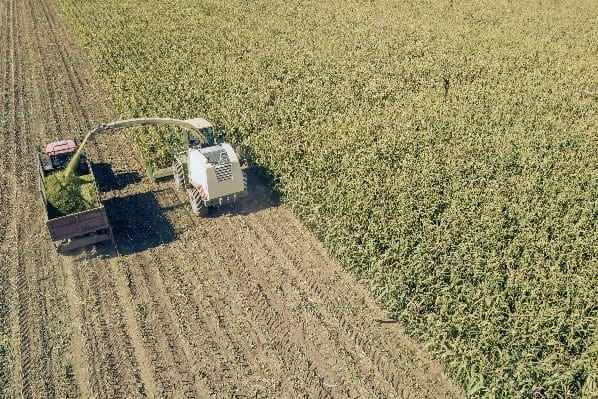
[(245, 303), (445, 152)]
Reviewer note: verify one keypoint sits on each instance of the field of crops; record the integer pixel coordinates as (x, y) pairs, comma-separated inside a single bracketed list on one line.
[(446, 152)]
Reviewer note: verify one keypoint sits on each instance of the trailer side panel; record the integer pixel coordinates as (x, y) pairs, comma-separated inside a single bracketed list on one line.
[(78, 224)]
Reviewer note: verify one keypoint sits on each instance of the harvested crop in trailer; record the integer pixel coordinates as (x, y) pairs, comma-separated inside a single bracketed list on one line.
[(69, 194)]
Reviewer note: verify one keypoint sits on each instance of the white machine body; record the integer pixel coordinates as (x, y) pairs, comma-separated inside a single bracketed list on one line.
[(215, 171)]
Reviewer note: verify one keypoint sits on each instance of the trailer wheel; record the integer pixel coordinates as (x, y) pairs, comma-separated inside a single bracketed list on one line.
[(179, 174), (197, 204)]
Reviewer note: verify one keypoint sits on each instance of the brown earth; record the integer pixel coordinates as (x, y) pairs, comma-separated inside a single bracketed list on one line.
[(244, 303)]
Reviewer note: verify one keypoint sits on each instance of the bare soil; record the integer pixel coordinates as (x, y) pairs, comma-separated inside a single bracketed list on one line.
[(243, 303)]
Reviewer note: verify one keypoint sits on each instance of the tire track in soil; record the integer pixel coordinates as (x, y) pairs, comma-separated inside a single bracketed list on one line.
[(118, 367), (6, 188), (150, 285), (77, 97), (348, 311), (21, 384), (347, 366), (166, 354), (299, 356), (73, 107), (6, 117), (147, 379), (164, 334), (21, 315), (9, 120), (297, 279), (46, 73), (225, 319), (67, 104), (329, 312), (259, 335), (290, 332)]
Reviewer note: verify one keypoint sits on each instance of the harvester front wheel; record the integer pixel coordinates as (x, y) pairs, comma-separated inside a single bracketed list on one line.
[(197, 204), (179, 174)]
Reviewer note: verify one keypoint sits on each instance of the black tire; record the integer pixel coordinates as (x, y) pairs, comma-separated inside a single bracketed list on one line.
[(179, 179), (197, 205)]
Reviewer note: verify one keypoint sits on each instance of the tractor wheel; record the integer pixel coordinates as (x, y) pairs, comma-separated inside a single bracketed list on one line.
[(178, 173), (197, 204)]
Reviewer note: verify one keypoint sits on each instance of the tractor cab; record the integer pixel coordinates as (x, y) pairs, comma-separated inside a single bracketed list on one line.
[(57, 155)]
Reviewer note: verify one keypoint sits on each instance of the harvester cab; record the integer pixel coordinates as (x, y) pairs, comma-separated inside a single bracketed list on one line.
[(210, 135)]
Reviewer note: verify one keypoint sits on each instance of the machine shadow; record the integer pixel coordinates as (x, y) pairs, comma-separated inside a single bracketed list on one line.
[(107, 180), (261, 196), (138, 223)]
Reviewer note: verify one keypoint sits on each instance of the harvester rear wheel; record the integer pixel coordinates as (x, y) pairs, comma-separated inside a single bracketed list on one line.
[(197, 204)]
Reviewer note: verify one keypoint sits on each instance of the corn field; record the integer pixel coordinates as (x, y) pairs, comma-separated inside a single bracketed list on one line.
[(445, 152)]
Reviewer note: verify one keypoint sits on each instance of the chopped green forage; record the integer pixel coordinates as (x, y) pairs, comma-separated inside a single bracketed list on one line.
[(69, 194)]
